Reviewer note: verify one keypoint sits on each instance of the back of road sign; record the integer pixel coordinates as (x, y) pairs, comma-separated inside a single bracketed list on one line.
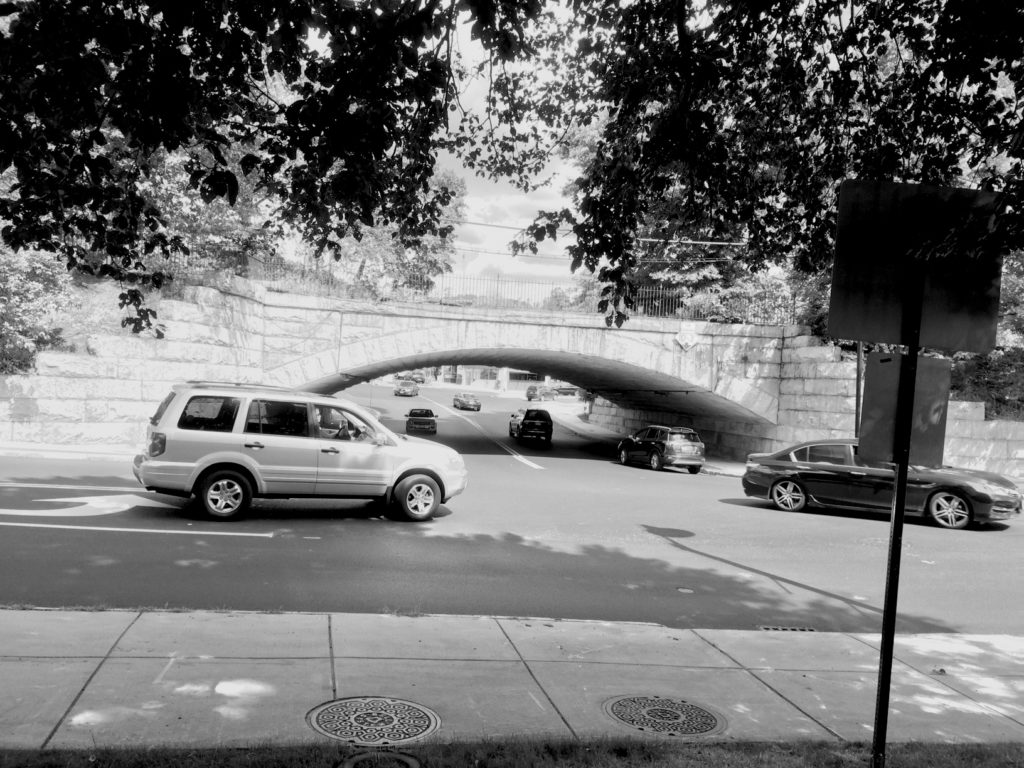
[(897, 239)]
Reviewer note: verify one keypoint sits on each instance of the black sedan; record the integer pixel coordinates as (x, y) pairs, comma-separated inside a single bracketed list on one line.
[(828, 473), (466, 401)]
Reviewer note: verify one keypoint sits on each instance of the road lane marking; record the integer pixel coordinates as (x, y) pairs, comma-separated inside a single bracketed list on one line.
[(65, 487), (478, 428), (89, 506), (135, 530)]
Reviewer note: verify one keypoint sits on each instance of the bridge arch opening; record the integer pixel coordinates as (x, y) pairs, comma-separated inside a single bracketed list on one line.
[(622, 384)]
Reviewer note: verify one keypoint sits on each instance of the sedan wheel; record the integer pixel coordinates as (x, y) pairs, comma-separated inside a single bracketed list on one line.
[(789, 496), (949, 510), (623, 457)]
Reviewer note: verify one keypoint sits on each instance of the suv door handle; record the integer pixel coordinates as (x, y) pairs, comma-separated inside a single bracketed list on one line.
[(254, 445), (332, 449)]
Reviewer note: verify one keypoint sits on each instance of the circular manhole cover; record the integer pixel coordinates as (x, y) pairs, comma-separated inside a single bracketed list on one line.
[(663, 716), (371, 721)]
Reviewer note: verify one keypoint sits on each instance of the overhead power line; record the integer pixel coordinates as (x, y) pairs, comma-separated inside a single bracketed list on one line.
[(683, 241)]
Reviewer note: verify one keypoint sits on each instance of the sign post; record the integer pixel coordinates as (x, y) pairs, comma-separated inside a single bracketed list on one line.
[(905, 274)]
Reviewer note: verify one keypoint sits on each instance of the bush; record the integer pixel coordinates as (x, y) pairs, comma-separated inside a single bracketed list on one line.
[(33, 289), (994, 379)]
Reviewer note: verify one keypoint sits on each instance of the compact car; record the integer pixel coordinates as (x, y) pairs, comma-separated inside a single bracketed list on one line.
[(406, 388), (466, 401), (830, 474), (226, 444), (658, 447), (421, 420)]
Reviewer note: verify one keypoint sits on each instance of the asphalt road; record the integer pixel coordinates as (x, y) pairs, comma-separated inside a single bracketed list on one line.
[(560, 532)]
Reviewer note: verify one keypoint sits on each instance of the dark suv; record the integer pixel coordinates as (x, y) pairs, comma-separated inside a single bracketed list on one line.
[(658, 447), (530, 422)]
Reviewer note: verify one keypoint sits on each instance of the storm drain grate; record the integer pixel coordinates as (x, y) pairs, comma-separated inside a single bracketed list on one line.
[(787, 629), (371, 721), (663, 716)]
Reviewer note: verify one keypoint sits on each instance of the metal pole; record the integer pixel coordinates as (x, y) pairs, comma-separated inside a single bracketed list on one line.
[(859, 394), (901, 453), (913, 284)]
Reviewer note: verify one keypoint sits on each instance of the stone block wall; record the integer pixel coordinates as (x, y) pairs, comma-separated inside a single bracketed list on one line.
[(793, 386), (817, 400)]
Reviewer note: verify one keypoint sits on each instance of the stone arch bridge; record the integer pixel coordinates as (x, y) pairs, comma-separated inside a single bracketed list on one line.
[(744, 387)]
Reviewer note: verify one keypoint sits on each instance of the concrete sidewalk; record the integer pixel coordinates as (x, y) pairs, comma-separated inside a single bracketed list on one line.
[(200, 679)]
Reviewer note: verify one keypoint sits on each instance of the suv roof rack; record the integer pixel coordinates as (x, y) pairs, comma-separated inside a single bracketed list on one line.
[(238, 384)]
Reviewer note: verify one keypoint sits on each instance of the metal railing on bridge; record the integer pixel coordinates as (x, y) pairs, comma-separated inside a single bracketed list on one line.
[(772, 305)]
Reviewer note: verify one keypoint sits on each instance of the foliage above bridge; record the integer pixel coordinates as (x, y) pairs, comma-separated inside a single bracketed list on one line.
[(716, 119)]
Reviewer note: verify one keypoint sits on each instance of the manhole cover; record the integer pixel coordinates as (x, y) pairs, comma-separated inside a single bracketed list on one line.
[(663, 716), (373, 720)]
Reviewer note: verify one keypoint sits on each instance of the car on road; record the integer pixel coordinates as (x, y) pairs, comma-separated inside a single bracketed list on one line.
[(658, 447), (421, 420), (418, 376), (566, 389), (226, 444), (534, 392), (466, 401), (531, 423), (406, 388), (830, 474)]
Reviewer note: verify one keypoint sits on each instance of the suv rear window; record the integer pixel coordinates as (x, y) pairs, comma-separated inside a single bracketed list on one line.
[(209, 413), (683, 437), (537, 415)]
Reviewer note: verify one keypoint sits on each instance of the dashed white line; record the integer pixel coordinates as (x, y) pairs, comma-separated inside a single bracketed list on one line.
[(478, 428)]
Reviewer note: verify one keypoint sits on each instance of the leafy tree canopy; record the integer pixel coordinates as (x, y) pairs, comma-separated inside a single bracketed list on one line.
[(745, 116), (334, 107), (716, 118)]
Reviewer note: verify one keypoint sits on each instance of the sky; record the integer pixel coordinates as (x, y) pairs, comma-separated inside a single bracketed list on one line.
[(494, 214)]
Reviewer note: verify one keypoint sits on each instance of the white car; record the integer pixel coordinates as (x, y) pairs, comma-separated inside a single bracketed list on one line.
[(228, 443)]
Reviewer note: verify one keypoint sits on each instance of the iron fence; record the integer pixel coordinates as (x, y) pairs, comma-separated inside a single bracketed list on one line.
[(773, 305)]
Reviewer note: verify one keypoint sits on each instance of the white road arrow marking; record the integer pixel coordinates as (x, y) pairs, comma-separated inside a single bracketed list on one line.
[(89, 506)]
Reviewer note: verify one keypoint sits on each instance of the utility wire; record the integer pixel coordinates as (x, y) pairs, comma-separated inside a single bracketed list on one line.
[(639, 239)]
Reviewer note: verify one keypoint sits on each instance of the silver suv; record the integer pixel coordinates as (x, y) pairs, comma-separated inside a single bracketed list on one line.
[(229, 443)]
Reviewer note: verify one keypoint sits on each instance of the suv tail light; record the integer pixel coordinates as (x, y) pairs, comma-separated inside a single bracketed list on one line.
[(157, 443)]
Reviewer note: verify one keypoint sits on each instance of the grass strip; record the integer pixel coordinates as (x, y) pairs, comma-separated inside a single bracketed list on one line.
[(531, 753)]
